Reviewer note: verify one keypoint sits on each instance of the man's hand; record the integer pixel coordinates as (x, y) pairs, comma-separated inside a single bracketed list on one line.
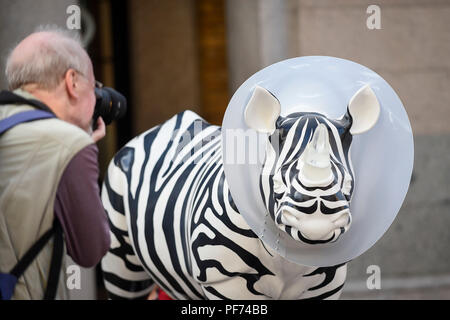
[(100, 132)]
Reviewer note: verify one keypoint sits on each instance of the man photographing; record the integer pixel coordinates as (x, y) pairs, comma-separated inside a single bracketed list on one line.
[(48, 167)]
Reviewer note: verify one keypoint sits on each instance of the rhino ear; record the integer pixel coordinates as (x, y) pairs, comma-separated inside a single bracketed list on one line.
[(364, 109), (262, 111)]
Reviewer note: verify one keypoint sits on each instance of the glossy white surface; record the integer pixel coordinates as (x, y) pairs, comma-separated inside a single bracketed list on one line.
[(382, 157)]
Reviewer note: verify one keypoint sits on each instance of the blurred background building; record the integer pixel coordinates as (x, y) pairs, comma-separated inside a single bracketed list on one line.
[(168, 56)]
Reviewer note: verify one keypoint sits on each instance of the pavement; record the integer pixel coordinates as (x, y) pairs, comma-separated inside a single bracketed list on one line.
[(435, 292)]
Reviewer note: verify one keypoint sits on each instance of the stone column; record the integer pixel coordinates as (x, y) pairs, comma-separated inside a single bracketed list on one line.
[(259, 33)]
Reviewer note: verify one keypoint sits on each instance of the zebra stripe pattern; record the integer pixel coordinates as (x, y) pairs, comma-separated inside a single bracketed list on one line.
[(286, 196), (174, 223)]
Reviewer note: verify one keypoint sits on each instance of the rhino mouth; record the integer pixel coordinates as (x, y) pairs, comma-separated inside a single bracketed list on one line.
[(314, 227)]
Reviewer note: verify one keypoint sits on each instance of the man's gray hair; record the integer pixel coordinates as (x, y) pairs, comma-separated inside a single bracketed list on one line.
[(48, 62)]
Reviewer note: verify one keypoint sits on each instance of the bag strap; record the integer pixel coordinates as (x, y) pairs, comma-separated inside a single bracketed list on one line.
[(26, 116), (56, 261), (8, 97), (31, 254), (55, 266)]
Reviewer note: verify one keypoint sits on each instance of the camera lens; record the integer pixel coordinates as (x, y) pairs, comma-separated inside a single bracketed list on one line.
[(110, 105)]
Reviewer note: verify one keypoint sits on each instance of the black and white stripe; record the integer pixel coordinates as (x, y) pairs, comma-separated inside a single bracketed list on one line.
[(281, 188), (174, 223)]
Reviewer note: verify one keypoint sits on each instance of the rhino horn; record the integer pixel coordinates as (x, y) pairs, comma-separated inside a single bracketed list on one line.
[(316, 164)]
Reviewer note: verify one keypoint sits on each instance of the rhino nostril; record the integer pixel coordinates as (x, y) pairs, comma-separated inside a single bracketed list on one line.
[(342, 219), (290, 219)]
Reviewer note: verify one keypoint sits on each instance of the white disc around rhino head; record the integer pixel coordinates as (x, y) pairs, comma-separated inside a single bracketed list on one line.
[(382, 157)]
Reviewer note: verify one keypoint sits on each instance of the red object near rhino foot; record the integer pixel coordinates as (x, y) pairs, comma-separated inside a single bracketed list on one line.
[(163, 296)]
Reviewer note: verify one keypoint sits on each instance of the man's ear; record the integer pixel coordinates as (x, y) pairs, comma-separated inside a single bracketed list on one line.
[(71, 83), (364, 109), (262, 111)]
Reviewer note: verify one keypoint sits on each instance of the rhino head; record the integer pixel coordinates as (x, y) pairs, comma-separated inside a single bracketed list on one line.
[(307, 179)]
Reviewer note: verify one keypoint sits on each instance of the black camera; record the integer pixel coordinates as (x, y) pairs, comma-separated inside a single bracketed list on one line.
[(110, 105)]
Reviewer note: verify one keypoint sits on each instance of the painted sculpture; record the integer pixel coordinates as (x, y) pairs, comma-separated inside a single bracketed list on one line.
[(174, 221)]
